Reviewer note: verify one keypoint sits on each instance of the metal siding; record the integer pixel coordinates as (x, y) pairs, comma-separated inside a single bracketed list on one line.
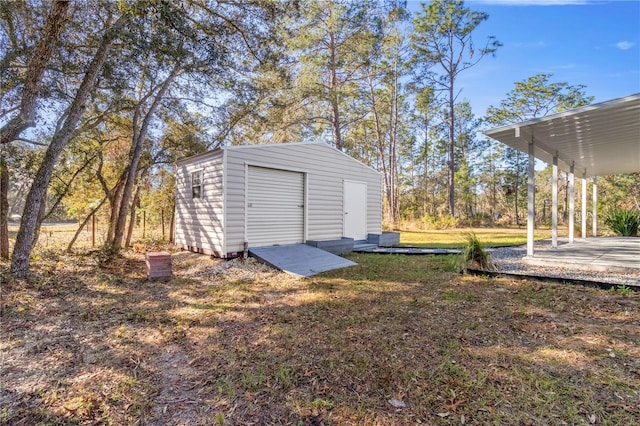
[(325, 170), (199, 222), (275, 207)]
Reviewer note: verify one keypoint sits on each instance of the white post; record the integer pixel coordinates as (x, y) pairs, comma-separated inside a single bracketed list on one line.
[(595, 206), (583, 225), (571, 203), (531, 205), (554, 203)]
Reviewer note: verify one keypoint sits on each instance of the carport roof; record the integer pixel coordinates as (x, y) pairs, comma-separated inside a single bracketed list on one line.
[(599, 139)]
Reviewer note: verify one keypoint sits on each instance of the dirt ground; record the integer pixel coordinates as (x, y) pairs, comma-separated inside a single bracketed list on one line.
[(393, 341)]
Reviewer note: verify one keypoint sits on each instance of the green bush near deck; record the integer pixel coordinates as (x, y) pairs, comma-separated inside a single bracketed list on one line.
[(473, 253), (623, 222)]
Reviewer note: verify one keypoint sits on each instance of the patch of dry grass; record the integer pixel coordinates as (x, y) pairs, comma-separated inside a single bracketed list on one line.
[(239, 343)]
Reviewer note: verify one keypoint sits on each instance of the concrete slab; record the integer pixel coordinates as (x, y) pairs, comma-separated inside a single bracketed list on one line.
[(300, 260), (616, 254)]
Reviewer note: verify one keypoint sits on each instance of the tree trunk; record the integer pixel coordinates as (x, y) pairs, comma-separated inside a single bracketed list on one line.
[(4, 209), (132, 218), (38, 191), (452, 164), (335, 123), (426, 164), (40, 219), (393, 141), (172, 225), (132, 224), (115, 199), (385, 162), (134, 158), (41, 53), (432, 204), (333, 94)]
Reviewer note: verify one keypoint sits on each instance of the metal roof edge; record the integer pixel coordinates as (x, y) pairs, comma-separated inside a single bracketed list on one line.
[(263, 145), (234, 147), (600, 105), (197, 156), (270, 145)]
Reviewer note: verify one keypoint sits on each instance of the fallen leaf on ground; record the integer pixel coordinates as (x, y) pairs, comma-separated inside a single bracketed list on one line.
[(397, 403)]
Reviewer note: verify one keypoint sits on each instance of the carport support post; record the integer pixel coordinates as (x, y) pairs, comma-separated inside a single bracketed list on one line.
[(554, 203), (583, 225), (531, 191), (595, 206), (571, 203)]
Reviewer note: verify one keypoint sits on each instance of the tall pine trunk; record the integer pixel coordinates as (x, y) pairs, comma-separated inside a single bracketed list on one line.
[(452, 164), (426, 165), (335, 102), (383, 156), (393, 143)]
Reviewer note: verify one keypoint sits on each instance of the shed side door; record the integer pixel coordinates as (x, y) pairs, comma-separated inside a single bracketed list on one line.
[(355, 210), (275, 207)]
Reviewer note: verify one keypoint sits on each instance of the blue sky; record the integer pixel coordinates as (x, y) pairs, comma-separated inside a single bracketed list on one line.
[(594, 43)]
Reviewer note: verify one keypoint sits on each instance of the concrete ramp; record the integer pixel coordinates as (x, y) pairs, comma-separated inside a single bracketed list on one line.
[(300, 260)]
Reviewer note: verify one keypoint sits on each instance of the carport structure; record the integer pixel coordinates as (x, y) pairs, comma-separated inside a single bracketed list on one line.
[(596, 140)]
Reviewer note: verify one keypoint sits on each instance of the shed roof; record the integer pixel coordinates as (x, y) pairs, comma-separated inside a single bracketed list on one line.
[(599, 139), (323, 145)]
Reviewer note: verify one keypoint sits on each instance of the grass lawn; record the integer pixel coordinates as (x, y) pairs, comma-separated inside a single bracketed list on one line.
[(393, 341), (455, 238)]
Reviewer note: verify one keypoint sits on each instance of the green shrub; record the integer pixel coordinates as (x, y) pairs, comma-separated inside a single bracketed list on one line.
[(473, 255), (473, 252), (623, 222)]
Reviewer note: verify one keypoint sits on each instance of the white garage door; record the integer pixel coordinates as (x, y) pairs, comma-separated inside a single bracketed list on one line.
[(275, 207)]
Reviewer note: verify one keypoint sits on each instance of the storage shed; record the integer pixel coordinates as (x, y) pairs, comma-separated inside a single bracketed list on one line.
[(265, 195)]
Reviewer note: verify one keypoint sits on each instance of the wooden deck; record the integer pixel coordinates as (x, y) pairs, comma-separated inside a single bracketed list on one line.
[(300, 260)]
